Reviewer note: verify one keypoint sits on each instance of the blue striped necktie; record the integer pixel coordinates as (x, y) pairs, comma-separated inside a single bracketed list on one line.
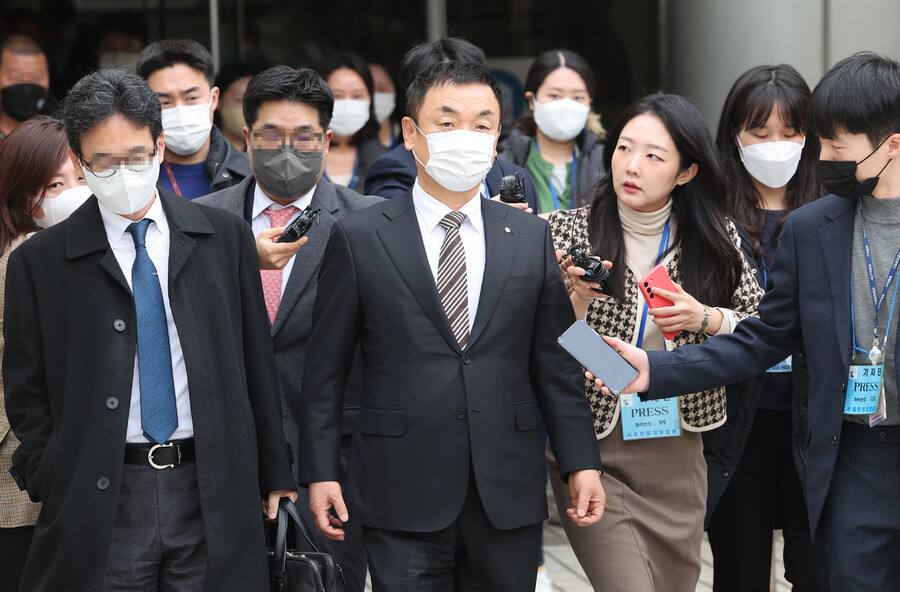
[(159, 416)]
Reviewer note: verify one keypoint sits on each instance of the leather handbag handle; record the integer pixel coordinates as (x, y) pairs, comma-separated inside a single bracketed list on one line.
[(287, 506)]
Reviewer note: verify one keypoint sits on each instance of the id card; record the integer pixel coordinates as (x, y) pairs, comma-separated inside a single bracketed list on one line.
[(863, 385), (783, 366), (649, 419)]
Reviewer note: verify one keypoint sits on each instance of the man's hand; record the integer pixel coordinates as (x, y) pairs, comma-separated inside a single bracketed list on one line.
[(323, 496), (636, 357), (519, 206), (588, 497), (270, 506), (274, 255)]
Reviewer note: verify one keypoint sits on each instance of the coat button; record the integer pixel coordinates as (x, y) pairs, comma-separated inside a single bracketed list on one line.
[(226, 176), (834, 440), (102, 483), (881, 435), (466, 359), (461, 414), (724, 473), (112, 403), (119, 325)]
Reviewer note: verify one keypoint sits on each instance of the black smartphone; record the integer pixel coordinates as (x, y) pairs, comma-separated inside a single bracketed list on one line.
[(299, 227), (599, 357)]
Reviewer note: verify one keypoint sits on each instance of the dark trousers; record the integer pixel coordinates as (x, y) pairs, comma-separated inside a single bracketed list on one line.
[(470, 555), (860, 523), (14, 545), (764, 494), (158, 542)]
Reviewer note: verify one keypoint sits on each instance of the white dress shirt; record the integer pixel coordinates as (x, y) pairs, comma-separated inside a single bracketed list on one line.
[(157, 241), (430, 212), (259, 220)]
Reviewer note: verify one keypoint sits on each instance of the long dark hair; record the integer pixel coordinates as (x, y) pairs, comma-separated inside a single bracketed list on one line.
[(754, 96), (351, 61), (30, 156), (548, 62), (710, 264)]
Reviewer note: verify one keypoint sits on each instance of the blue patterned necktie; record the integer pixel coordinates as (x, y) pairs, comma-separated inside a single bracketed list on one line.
[(159, 416)]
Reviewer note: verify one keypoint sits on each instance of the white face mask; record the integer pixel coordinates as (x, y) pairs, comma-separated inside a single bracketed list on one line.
[(385, 103), (772, 163), (126, 190), (350, 115), (56, 209), (561, 120), (186, 128), (458, 160), (118, 60)]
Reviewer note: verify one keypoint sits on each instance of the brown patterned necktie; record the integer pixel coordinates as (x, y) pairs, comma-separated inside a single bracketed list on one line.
[(452, 285)]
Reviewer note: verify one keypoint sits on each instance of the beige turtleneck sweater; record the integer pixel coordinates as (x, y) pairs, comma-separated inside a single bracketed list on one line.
[(643, 232)]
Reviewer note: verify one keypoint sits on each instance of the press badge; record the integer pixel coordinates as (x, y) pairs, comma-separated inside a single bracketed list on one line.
[(782, 366), (649, 419), (864, 388)]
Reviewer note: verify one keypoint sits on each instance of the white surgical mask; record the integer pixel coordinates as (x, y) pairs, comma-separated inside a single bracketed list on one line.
[(561, 120), (350, 115), (56, 209), (186, 128), (458, 160), (118, 60), (126, 190), (384, 105), (772, 163)]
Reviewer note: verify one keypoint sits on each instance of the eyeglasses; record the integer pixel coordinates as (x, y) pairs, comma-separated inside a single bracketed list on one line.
[(105, 165), (302, 139)]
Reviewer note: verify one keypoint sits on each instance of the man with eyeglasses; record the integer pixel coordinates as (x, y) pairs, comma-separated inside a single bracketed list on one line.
[(139, 373), (288, 112)]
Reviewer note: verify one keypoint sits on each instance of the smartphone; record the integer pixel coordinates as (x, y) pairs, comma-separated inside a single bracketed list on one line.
[(599, 357), (658, 278)]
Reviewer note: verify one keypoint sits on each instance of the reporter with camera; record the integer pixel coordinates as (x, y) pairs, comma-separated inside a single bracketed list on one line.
[(288, 112)]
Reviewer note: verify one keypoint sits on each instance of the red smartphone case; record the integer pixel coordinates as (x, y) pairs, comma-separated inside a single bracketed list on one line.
[(658, 278)]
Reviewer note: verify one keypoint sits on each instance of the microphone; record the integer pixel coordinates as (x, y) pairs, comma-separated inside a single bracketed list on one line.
[(512, 188)]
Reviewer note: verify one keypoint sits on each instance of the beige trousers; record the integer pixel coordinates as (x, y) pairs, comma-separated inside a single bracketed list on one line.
[(650, 535)]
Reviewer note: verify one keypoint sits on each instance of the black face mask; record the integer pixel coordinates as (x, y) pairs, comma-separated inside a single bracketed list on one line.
[(839, 176), (22, 101)]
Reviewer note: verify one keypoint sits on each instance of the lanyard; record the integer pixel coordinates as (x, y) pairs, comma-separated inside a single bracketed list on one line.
[(871, 272), (550, 182), (352, 184), (175, 188), (662, 247)]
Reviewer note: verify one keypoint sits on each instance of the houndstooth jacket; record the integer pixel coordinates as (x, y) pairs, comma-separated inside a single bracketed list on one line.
[(699, 411)]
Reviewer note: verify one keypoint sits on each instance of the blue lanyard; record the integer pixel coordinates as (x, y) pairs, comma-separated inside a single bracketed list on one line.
[(662, 248), (550, 182), (871, 272), (352, 184)]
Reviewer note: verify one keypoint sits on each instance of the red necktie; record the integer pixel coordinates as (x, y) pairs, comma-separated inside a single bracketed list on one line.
[(271, 278)]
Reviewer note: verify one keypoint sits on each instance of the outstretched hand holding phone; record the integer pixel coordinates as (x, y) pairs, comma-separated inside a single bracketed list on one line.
[(636, 357)]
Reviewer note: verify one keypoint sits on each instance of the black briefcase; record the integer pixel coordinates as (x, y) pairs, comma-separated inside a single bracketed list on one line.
[(296, 571)]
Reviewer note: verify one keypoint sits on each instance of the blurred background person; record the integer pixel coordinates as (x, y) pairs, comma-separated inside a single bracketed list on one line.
[(232, 81), (198, 160), (39, 187), (552, 140), (385, 103), (662, 201), (771, 165), (355, 145), (121, 38), (24, 82)]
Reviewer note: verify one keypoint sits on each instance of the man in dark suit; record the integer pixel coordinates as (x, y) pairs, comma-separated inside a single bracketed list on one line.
[(139, 373), (457, 303), (394, 173), (833, 256), (287, 113)]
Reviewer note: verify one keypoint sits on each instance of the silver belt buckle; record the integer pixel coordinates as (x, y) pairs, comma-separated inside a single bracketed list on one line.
[(153, 449)]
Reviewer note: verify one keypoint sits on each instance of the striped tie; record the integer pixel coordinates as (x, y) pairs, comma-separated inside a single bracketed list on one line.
[(451, 280)]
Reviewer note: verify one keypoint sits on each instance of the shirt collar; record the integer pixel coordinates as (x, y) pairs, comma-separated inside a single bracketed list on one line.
[(261, 201), (117, 226), (433, 211)]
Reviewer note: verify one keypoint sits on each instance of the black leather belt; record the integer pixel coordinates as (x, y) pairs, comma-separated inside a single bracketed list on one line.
[(160, 456)]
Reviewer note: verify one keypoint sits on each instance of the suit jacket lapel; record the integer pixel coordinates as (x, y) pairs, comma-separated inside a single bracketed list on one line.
[(309, 257), (402, 239), (183, 218), (85, 234), (836, 240), (500, 240)]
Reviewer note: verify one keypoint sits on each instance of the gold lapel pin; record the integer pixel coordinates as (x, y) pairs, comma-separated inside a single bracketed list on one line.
[(507, 230)]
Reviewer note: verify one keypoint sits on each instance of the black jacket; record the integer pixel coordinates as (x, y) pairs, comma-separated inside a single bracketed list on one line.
[(226, 165), (590, 160)]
